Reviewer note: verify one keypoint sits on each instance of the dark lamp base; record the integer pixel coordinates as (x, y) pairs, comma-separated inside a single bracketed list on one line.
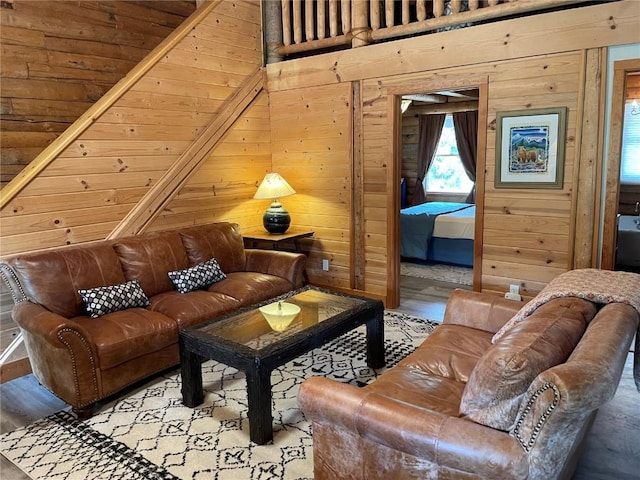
[(276, 219)]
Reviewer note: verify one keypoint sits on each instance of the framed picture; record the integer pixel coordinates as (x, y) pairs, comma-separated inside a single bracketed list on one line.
[(530, 148)]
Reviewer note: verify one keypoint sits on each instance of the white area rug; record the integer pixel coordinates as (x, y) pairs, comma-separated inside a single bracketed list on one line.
[(441, 272), (149, 434)]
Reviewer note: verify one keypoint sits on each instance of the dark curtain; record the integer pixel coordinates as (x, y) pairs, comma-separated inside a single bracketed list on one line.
[(430, 128), (466, 127)]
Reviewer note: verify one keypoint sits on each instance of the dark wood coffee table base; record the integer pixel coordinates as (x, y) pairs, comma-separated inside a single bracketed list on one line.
[(258, 368)]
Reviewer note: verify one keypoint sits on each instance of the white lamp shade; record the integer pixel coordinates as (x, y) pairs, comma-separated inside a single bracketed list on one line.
[(273, 186)]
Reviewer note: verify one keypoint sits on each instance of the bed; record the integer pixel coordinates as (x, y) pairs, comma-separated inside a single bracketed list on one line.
[(440, 232)]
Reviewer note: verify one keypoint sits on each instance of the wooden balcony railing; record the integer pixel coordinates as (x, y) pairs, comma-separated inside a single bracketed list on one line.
[(294, 27)]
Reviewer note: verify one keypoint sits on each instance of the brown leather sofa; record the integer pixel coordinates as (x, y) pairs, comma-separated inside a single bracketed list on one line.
[(462, 407), (83, 359)]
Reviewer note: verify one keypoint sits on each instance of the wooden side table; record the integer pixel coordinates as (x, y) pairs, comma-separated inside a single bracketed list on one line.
[(288, 241)]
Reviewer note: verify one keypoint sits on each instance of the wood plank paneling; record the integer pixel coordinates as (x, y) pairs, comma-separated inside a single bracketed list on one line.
[(535, 217), (528, 235), (312, 150), (129, 148), (58, 58), (231, 140)]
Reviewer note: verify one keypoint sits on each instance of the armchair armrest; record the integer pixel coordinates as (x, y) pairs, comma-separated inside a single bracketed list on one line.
[(451, 442), (287, 265), (483, 311)]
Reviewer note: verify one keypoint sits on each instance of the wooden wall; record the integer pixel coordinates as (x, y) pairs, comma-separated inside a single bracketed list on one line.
[(541, 61), (85, 193), (311, 148), (223, 188), (59, 57)]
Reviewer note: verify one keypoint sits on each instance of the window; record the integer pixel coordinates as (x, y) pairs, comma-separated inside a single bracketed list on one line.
[(630, 158), (446, 173)]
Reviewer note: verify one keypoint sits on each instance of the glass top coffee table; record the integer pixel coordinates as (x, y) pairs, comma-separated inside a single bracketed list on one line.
[(246, 341)]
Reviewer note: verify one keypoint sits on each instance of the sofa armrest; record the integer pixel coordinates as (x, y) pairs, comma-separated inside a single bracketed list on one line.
[(482, 311), (451, 442), (12, 281), (287, 265), (62, 356), (553, 417), (42, 323)]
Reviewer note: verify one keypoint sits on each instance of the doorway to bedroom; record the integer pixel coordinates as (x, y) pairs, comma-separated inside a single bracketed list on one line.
[(437, 159)]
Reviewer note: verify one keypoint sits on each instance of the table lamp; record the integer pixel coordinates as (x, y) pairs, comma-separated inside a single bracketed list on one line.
[(276, 219)]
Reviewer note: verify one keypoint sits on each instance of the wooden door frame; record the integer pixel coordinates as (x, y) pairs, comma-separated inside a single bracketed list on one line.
[(394, 172), (612, 183)]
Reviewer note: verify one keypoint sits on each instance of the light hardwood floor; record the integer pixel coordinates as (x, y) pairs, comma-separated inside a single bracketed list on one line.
[(612, 449)]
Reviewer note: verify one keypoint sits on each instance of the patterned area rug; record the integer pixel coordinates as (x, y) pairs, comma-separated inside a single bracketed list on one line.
[(149, 434), (441, 272)]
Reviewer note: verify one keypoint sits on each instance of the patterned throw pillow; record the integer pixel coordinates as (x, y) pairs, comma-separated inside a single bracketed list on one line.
[(102, 300), (198, 276)]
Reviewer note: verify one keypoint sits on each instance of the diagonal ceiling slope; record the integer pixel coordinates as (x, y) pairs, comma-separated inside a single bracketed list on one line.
[(130, 154)]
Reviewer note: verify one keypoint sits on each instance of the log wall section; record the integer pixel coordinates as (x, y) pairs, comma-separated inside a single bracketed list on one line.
[(534, 62), (60, 57), (311, 149)]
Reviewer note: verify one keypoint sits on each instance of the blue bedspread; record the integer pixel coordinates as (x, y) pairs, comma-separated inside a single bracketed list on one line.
[(416, 226)]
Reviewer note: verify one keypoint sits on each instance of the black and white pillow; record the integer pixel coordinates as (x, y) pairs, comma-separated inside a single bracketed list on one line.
[(102, 300), (198, 276)]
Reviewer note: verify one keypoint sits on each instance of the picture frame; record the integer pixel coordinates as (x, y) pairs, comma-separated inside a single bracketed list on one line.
[(530, 147)]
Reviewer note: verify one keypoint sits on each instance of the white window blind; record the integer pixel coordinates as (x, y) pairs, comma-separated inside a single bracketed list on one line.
[(630, 160)]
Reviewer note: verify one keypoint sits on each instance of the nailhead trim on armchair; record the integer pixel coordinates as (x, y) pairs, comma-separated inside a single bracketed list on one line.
[(543, 418)]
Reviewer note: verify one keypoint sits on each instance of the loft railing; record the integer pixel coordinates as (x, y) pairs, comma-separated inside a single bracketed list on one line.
[(303, 26)]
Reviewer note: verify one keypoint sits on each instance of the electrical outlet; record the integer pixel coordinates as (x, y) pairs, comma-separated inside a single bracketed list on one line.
[(325, 265), (514, 289)]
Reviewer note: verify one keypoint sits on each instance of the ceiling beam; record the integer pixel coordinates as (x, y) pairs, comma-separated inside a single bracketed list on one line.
[(426, 98), (442, 108)]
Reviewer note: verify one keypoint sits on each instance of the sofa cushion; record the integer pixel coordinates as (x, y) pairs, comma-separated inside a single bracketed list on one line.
[(128, 334), (251, 287), (451, 351), (198, 276), (102, 300), (496, 386), (189, 309), (53, 278), (222, 241), (148, 259), (422, 389)]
